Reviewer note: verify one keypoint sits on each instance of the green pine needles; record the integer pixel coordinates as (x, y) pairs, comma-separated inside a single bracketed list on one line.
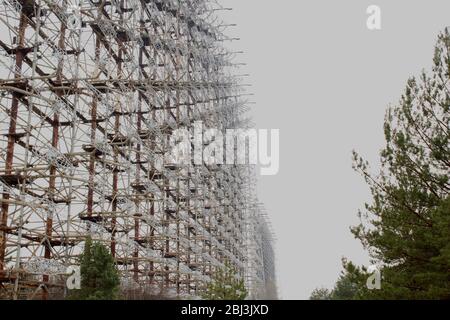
[(225, 286), (99, 276), (406, 227)]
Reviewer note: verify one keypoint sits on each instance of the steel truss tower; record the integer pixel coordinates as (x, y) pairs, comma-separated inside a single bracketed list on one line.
[(90, 93)]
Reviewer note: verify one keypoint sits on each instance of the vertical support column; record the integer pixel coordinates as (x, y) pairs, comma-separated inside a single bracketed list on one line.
[(52, 179), (20, 53), (92, 157)]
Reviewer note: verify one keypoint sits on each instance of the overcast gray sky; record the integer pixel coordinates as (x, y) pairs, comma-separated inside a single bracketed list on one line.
[(322, 78)]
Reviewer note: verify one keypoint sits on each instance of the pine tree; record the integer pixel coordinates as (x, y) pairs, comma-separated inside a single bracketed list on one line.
[(225, 286), (320, 294), (349, 285), (407, 226), (99, 276)]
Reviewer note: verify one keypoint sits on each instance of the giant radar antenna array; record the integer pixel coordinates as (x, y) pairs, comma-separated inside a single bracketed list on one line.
[(90, 92)]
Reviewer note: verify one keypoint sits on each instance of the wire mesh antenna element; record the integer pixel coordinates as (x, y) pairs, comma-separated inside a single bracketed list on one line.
[(90, 93)]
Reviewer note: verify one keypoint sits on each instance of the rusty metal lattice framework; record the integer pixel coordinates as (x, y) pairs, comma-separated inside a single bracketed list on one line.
[(90, 93)]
